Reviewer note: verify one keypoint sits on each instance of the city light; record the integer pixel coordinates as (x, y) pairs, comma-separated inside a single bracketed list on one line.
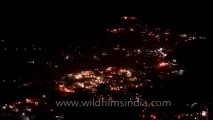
[(120, 58), (163, 64), (204, 113)]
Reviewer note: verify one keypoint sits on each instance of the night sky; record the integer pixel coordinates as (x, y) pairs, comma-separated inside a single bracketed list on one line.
[(84, 21)]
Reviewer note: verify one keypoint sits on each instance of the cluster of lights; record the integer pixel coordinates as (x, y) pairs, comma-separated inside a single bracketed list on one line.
[(155, 33), (24, 49), (65, 89), (129, 18), (187, 38), (91, 79), (163, 64), (117, 30), (23, 107), (198, 115)]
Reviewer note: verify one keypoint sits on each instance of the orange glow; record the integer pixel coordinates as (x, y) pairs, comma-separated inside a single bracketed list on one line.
[(64, 89), (111, 88), (79, 76), (109, 69), (109, 76), (163, 64), (166, 33), (67, 90), (125, 17), (114, 30), (61, 86), (29, 100), (131, 29), (114, 88), (122, 70)]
